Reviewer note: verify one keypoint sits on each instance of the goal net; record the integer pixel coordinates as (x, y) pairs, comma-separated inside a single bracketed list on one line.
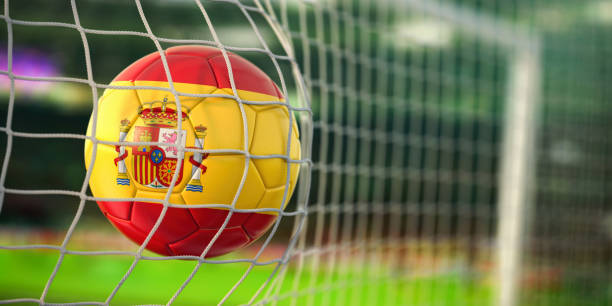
[(451, 152)]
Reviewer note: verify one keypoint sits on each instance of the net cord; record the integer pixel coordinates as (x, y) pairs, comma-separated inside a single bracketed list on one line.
[(82, 194)]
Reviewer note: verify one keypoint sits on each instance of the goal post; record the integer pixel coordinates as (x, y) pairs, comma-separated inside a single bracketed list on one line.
[(517, 175)]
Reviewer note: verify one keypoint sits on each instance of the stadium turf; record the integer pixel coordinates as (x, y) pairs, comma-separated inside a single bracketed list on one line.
[(92, 278)]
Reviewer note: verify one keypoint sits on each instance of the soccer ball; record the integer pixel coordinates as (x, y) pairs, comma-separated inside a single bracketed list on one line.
[(138, 172)]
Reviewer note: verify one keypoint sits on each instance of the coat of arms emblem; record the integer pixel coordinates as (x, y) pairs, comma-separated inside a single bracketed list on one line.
[(154, 165)]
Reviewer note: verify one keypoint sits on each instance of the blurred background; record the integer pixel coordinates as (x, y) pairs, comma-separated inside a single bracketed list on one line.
[(410, 109)]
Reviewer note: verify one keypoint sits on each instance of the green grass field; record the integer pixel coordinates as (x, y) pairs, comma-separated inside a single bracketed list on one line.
[(92, 278), (23, 274)]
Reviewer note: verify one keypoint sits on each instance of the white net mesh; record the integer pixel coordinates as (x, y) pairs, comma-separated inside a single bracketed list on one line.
[(82, 194), (429, 124)]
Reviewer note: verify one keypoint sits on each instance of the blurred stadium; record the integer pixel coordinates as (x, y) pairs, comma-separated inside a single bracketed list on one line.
[(461, 152)]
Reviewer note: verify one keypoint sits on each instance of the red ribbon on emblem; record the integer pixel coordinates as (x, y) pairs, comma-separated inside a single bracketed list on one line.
[(121, 157), (198, 164)]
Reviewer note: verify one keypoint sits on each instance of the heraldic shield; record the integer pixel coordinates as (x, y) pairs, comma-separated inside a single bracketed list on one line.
[(154, 166)]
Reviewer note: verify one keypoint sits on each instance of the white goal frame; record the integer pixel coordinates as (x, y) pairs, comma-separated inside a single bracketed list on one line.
[(518, 152)]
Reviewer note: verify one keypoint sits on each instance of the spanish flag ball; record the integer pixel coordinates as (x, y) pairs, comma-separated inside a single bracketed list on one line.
[(131, 180)]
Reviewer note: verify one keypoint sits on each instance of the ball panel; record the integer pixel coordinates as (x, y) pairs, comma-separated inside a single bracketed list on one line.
[(229, 240), (253, 189), (257, 224), (121, 210), (221, 182), (177, 222), (223, 120), (246, 75), (183, 69), (150, 68), (273, 171), (133, 70), (128, 229), (273, 198), (211, 218), (271, 135), (273, 129)]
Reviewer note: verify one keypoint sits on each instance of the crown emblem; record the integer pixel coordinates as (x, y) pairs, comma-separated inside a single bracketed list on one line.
[(200, 131), (160, 113), (124, 125)]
